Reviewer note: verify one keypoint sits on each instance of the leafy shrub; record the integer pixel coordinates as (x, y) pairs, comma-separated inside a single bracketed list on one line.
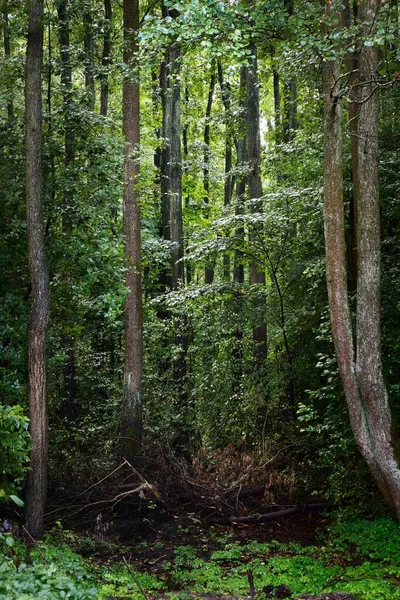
[(14, 449), (47, 581)]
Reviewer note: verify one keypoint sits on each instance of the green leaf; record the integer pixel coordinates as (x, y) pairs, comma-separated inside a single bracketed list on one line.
[(17, 500)]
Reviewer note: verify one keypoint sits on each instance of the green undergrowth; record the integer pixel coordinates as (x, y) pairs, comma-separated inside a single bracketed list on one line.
[(359, 557)]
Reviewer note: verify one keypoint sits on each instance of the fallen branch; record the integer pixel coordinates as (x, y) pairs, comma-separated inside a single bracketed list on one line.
[(301, 508)]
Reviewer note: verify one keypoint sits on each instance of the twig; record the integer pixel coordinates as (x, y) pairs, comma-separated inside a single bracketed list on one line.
[(34, 543), (135, 579)]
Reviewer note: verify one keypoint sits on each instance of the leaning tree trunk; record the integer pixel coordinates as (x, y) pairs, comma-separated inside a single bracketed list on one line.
[(131, 421), (362, 377), (38, 270)]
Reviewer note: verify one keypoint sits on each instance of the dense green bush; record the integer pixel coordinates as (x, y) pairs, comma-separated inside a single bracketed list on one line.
[(14, 449)]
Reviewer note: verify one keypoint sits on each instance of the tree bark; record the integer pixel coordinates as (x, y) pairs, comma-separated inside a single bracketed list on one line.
[(362, 377), (38, 270), (209, 268), (105, 60), (383, 463), (131, 420), (257, 274)]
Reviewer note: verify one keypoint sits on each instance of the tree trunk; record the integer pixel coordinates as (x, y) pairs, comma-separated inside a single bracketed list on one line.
[(209, 268), (229, 179), (171, 177), (351, 62), (277, 107), (257, 275), (290, 124), (38, 270), (69, 371), (66, 80), (383, 463), (362, 378), (105, 60), (131, 420), (238, 268), (89, 54)]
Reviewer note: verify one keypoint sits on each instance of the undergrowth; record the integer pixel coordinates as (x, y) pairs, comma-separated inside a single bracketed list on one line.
[(358, 557)]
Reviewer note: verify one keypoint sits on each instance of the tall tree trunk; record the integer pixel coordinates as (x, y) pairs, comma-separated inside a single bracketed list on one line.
[(171, 177), (131, 420), (238, 267), (89, 54), (185, 169), (209, 268), (385, 465), (257, 276), (290, 124), (229, 179), (38, 270), (69, 371), (66, 83), (172, 218), (362, 377), (277, 106), (351, 62), (105, 60)]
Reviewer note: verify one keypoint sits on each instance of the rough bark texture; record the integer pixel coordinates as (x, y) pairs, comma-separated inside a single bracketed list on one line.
[(257, 275), (38, 270), (131, 419), (362, 377), (105, 60), (377, 424)]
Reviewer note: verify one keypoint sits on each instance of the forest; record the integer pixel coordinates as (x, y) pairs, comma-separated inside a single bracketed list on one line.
[(200, 299)]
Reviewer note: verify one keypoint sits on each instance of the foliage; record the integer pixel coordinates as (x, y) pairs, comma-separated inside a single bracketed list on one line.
[(14, 450), (52, 575)]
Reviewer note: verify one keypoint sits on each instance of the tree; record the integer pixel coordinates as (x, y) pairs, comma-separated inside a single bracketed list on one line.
[(105, 60), (360, 366), (257, 275), (39, 276), (131, 422)]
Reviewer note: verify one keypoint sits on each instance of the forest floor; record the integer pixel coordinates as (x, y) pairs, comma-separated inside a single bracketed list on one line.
[(188, 537), (181, 558)]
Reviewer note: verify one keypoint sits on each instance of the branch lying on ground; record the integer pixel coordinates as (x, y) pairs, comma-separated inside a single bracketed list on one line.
[(271, 515)]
